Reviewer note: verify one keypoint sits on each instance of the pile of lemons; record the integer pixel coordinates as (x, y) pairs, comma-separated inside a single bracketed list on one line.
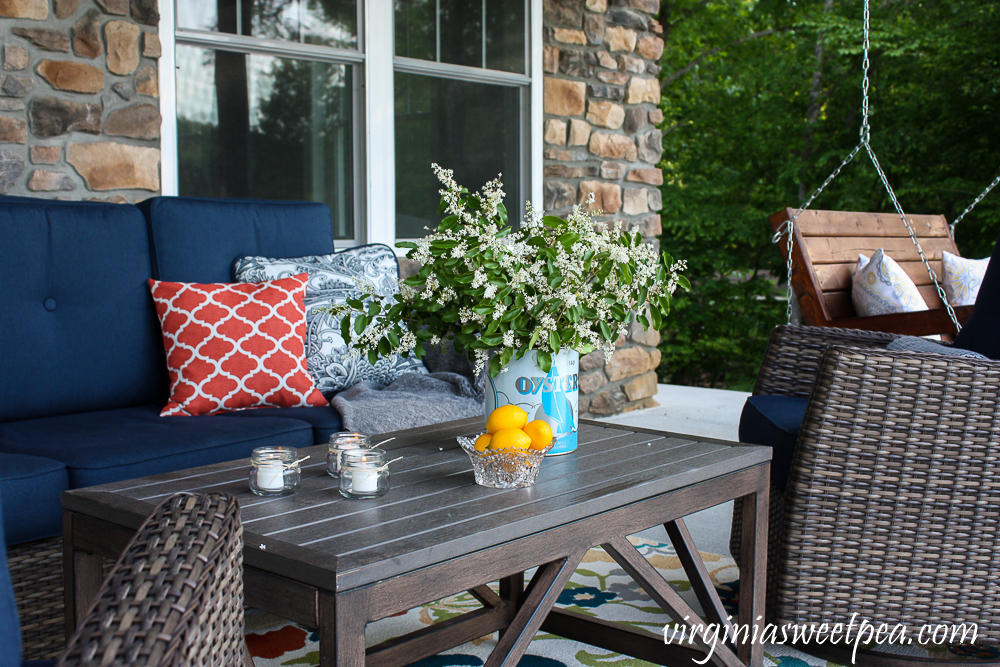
[(508, 428)]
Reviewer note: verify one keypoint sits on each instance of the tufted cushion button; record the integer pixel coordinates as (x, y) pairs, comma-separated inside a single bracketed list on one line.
[(50, 304)]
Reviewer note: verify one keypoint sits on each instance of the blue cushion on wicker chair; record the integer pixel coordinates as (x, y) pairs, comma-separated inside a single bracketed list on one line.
[(982, 332), (773, 421)]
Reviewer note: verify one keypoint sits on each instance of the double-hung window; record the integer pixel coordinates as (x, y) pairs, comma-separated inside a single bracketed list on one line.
[(292, 99)]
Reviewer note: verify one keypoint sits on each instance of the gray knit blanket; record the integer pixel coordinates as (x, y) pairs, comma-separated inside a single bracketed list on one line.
[(450, 391)]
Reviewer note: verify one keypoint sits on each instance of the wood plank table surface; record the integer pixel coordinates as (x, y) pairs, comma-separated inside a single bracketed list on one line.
[(333, 564)]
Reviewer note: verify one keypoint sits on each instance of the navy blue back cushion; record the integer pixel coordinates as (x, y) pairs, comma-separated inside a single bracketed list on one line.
[(10, 626), (982, 332), (78, 328), (196, 240)]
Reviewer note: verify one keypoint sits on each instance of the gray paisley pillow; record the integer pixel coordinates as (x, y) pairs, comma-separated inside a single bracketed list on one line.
[(332, 281)]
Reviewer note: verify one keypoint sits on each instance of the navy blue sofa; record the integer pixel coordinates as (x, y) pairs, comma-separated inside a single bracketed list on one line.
[(83, 376)]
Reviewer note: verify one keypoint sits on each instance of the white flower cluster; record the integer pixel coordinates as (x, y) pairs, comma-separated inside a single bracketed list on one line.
[(575, 251)]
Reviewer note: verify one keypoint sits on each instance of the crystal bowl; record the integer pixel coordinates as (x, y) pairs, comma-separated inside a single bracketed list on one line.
[(505, 468)]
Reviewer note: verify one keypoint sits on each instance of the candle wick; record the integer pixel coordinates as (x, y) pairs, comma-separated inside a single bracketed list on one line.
[(383, 442)]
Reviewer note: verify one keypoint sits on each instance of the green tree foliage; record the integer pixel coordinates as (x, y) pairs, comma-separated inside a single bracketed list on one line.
[(762, 100)]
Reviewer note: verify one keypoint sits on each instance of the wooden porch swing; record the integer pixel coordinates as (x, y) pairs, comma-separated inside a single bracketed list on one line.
[(821, 251)]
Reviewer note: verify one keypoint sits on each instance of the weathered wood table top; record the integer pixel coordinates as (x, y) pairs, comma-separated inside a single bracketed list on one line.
[(433, 514)]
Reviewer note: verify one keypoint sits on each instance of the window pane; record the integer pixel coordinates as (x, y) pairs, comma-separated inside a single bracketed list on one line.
[(451, 31), (267, 128), (326, 22), (473, 128)]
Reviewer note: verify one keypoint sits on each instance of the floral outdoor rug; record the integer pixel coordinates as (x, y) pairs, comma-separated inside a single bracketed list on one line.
[(599, 588)]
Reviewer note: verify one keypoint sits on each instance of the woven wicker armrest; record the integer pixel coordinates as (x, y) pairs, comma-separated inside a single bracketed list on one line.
[(175, 597), (892, 500), (791, 362)]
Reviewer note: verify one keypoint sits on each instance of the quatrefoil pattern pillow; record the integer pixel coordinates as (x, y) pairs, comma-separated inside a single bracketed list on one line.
[(233, 347)]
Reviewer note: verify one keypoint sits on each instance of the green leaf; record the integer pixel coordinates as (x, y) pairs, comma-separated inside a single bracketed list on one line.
[(345, 328), (544, 361), (393, 338), (606, 331), (685, 284), (534, 339), (360, 323), (553, 222), (495, 365), (372, 357), (654, 314), (384, 348), (406, 244), (554, 342)]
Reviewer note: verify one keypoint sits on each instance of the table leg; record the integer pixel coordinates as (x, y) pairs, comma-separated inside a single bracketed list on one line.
[(542, 593), (511, 591), (753, 572), (82, 577), (647, 576), (342, 621)]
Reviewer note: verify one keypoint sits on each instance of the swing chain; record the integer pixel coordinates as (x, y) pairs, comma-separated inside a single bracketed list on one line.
[(973, 204), (789, 226)]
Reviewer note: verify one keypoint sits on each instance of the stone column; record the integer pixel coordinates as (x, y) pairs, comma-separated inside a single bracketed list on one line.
[(601, 116), (79, 109)]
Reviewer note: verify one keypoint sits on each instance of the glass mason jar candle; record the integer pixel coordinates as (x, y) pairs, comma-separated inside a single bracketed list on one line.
[(274, 471), (340, 443), (364, 473)]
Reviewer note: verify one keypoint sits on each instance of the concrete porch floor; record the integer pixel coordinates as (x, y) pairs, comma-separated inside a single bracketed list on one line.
[(711, 413)]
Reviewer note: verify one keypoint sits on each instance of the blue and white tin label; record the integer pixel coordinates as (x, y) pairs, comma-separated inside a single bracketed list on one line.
[(551, 397)]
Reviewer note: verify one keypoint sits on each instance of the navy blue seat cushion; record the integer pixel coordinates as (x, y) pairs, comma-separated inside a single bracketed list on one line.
[(29, 489), (982, 332), (10, 626), (197, 240), (774, 421), (114, 445), (325, 421), (75, 305)]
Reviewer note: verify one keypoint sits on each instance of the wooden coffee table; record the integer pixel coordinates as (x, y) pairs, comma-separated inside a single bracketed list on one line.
[(333, 565)]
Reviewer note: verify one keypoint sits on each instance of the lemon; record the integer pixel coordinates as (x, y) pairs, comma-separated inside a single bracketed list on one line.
[(483, 441), (510, 438), (540, 433), (506, 416)]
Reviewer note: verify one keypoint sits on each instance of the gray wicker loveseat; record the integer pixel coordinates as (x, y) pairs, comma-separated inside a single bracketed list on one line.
[(889, 504)]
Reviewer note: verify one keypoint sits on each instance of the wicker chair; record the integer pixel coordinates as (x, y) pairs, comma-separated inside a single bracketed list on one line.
[(892, 508), (175, 596)]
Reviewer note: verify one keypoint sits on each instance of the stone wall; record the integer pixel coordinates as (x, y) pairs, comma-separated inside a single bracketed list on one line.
[(79, 114), (601, 94)]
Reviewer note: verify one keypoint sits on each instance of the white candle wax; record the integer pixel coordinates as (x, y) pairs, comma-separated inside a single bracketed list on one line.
[(271, 477), (364, 481)]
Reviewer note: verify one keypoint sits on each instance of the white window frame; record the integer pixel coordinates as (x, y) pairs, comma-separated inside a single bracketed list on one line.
[(374, 122)]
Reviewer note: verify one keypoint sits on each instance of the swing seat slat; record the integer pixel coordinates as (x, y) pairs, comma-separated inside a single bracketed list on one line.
[(825, 253)]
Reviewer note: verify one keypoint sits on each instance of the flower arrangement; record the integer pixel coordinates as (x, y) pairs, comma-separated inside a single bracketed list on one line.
[(551, 284)]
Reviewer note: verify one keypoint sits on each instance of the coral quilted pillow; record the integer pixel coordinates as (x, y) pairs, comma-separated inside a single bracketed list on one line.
[(962, 278), (882, 286), (233, 347)]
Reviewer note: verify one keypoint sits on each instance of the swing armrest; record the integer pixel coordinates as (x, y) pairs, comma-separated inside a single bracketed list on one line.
[(792, 359)]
